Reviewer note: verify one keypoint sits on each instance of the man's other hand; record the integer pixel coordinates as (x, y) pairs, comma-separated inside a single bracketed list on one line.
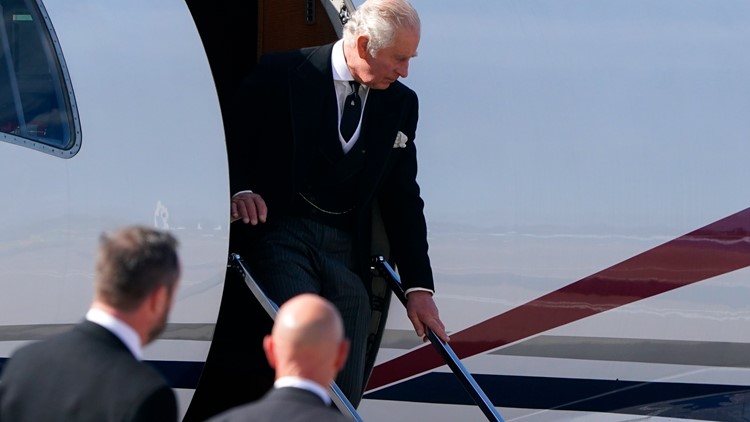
[(422, 311), (250, 207)]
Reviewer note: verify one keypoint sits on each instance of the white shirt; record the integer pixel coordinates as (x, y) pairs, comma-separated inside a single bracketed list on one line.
[(118, 328), (341, 78), (304, 384)]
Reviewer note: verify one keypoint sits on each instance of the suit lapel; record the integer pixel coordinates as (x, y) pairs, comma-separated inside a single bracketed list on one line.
[(313, 107)]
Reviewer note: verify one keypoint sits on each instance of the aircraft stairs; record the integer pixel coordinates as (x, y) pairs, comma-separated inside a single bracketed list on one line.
[(383, 269)]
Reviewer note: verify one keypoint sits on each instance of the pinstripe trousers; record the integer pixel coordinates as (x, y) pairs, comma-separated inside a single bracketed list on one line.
[(299, 255)]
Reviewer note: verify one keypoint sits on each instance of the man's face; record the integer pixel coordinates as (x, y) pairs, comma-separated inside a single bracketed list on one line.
[(390, 63)]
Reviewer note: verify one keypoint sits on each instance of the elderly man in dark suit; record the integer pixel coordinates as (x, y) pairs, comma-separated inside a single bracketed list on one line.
[(94, 371), (306, 174), (307, 349)]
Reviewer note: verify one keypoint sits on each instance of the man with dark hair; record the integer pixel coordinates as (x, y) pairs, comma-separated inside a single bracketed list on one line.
[(94, 371)]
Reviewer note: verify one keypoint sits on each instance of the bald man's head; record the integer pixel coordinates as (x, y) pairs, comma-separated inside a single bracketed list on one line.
[(307, 340), (308, 319)]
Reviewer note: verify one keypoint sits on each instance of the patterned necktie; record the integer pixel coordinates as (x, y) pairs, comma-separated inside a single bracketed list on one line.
[(352, 112)]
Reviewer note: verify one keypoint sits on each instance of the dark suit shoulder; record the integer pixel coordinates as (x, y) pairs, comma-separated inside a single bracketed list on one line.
[(401, 88), (82, 336), (273, 68), (93, 350), (284, 404), (288, 58), (84, 374)]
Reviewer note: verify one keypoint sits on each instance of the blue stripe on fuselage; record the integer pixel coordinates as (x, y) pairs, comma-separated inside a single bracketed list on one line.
[(698, 401)]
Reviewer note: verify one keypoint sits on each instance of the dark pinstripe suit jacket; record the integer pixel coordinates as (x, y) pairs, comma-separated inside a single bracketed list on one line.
[(85, 374)]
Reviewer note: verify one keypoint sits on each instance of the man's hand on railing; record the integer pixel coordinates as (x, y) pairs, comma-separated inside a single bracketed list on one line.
[(422, 311)]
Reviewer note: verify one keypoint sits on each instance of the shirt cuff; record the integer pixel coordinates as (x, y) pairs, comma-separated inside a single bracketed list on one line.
[(414, 289), (242, 191)]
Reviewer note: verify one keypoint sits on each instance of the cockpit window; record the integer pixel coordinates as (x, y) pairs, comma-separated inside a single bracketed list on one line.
[(36, 101)]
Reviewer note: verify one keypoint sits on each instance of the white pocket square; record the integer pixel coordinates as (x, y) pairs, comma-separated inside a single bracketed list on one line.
[(401, 140)]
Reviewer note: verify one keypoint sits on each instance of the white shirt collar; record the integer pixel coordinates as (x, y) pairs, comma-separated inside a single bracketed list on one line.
[(304, 384), (338, 63), (122, 330)]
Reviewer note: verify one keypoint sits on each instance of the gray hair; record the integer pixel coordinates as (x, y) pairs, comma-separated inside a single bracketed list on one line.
[(132, 263), (379, 20)]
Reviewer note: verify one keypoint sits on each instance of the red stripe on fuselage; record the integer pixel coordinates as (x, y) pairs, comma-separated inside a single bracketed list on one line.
[(715, 249)]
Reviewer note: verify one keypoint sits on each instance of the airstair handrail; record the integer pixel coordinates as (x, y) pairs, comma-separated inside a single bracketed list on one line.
[(382, 268), (337, 396)]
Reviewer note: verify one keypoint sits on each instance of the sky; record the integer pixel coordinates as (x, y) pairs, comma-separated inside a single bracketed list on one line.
[(582, 113)]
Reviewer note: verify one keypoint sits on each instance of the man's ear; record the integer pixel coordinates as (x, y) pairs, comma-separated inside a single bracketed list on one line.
[(159, 300), (268, 348), (362, 43)]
